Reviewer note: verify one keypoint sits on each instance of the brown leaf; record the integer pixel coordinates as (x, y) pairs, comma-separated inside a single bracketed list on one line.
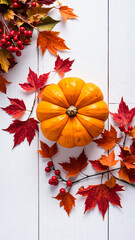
[(8, 15), (67, 13), (5, 55), (50, 40), (36, 13), (109, 160), (67, 201), (111, 182), (109, 139), (46, 151), (3, 83), (76, 165)]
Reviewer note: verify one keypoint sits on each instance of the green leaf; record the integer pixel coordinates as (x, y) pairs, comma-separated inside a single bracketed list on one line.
[(47, 23), (3, 2)]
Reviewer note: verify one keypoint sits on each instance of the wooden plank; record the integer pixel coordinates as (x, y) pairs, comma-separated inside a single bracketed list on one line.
[(87, 38), (19, 167), (121, 225), (122, 51)]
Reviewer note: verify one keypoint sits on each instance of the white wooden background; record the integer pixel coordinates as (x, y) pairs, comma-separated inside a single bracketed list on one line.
[(103, 46)]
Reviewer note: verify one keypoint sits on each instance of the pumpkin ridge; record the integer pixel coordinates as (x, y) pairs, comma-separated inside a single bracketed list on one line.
[(85, 128)]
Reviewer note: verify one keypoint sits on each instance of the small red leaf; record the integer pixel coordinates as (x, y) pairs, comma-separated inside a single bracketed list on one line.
[(124, 115), (22, 130), (46, 151), (17, 107), (63, 66), (98, 166)]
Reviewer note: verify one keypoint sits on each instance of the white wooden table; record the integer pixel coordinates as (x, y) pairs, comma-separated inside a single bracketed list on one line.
[(102, 42)]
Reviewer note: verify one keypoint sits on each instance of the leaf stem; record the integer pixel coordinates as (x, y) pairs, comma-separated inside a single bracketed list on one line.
[(33, 105), (124, 142)]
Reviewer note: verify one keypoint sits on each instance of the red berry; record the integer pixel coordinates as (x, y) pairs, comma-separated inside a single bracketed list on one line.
[(62, 190), (21, 47), (18, 33), (33, 4), (8, 43), (11, 48), (50, 182), (126, 131), (3, 40), (12, 33), (55, 183), (122, 127), (18, 54), (57, 172), (26, 41), (15, 5), (7, 37), (19, 42), (3, 35), (0, 30), (15, 38), (16, 49), (22, 29), (47, 169), (69, 183), (50, 164), (29, 33), (25, 33), (130, 128), (54, 178)]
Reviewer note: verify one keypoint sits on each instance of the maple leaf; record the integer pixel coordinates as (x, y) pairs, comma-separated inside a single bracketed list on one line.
[(8, 15), (17, 107), (101, 195), (47, 23), (3, 83), (22, 130), (128, 175), (46, 151), (5, 55), (50, 40), (63, 66), (124, 152), (47, 2), (111, 182), (36, 13), (98, 166), (76, 165), (67, 201), (109, 139), (67, 13), (129, 161), (109, 160), (124, 115), (132, 133), (34, 82)]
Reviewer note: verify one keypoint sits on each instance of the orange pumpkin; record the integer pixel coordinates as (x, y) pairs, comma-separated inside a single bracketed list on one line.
[(72, 112)]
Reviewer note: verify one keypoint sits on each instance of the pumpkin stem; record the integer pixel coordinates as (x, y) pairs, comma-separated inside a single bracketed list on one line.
[(72, 111)]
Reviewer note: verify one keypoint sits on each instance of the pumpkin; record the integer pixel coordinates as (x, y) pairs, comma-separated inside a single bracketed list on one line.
[(72, 112)]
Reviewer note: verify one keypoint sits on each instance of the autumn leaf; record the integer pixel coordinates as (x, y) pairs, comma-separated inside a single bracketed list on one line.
[(23, 129), (3, 2), (5, 55), (50, 40), (47, 23), (109, 160), (76, 165), (111, 182), (98, 166), (132, 133), (129, 161), (67, 13), (46, 151), (100, 195), (124, 152), (47, 2), (124, 115), (109, 139), (36, 13), (128, 175), (63, 66), (67, 201), (17, 107), (3, 83), (8, 15), (34, 81)]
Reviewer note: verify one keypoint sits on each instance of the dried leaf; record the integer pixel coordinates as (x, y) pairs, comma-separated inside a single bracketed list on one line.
[(36, 13), (129, 161), (4, 59), (46, 151), (124, 115), (111, 182), (47, 2), (128, 175), (101, 195), (132, 133), (4, 2), (17, 107), (50, 40), (3, 83), (76, 165), (109, 139), (98, 166), (63, 66), (8, 15), (67, 201), (47, 23), (67, 13), (22, 130), (109, 160), (34, 81)]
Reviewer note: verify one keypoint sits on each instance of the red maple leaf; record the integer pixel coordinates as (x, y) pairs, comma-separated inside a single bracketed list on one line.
[(46, 151), (17, 107), (35, 82), (76, 165), (101, 195), (63, 66), (67, 201), (127, 174), (22, 130), (98, 166), (124, 115)]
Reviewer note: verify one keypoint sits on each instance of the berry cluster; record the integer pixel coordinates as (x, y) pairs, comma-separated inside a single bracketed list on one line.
[(54, 180), (18, 4), (15, 41), (125, 130)]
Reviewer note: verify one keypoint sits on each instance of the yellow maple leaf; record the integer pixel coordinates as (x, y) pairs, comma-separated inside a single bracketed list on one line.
[(35, 14), (4, 56), (67, 13), (8, 15)]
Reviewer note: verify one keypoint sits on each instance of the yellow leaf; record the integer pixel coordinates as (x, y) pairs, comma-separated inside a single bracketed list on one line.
[(4, 56), (35, 14), (111, 182), (8, 15), (67, 13)]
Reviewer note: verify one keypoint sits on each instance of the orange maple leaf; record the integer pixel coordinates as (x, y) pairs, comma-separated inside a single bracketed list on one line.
[(3, 83), (129, 161), (67, 13), (109, 139), (111, 182), (50, 40), (123, 173), (67, 201), (76, 165), (109, 160), (46, 151), (132, 133)]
